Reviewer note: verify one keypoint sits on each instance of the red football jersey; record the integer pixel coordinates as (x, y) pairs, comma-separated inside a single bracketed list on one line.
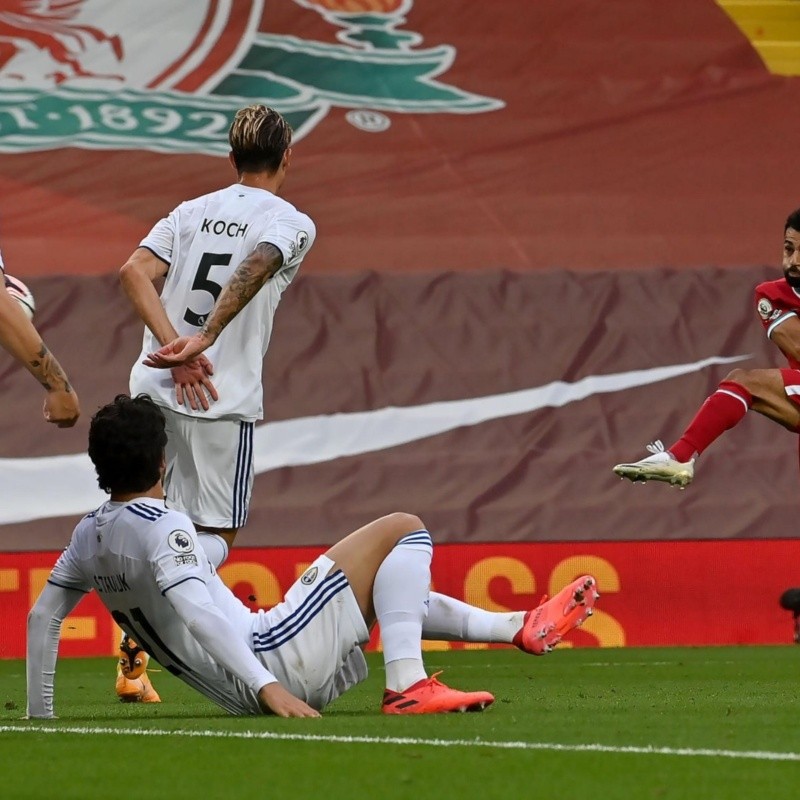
[(776, 301)]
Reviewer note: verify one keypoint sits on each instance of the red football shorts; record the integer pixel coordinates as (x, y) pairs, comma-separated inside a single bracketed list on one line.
[(791, 384)]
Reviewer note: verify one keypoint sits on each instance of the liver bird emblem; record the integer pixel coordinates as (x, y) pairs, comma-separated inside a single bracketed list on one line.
[(50, 27)]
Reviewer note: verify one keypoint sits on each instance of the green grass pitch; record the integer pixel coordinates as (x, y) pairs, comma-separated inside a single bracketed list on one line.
[(604, 724)]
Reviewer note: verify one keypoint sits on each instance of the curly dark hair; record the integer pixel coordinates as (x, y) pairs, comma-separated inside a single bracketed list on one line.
[(126, 444), (793, 221)]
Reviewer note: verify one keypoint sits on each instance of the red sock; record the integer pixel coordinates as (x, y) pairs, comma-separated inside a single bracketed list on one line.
[(724, 409)]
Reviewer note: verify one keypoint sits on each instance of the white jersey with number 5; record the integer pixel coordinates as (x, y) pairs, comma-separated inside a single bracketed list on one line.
[(203, 241)]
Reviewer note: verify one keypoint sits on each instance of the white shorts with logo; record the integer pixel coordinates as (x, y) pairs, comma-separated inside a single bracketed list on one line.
[(209, 469), (311, 642)]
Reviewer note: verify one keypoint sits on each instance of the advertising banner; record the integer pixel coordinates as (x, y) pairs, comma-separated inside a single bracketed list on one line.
[(652, 593)]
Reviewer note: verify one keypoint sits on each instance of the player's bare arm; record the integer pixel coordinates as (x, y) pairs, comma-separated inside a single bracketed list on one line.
[(137, 277), (49, 371), (20, 338), (61, 403), (243, 286), (249, 277)]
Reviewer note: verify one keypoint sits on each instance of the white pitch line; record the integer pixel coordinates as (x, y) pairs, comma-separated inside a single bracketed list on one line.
[(756, 755), (646, 663)]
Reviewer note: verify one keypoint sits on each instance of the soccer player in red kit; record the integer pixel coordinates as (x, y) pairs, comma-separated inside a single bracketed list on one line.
[(775, 393)]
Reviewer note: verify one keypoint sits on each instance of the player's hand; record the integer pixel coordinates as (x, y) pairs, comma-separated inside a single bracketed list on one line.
[(273, 698), (179, 351), (193, 384), (61, 408)]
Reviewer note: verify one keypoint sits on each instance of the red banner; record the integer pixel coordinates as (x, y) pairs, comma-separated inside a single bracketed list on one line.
[(652, 593)]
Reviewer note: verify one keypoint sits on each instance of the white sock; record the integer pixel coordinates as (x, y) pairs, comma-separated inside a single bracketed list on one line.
[(451, 620), (214, 546), (401, 588)]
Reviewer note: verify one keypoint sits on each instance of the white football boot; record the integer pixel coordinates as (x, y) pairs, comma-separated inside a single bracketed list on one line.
[(660, 466)]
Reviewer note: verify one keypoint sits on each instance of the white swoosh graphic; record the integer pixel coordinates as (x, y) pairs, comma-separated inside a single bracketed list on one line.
[(66, 485)]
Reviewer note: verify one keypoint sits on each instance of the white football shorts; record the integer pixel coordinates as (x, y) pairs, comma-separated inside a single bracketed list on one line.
[(209, 473), (311, 642)]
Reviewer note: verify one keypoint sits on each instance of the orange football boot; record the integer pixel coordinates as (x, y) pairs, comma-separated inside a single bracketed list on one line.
[(133, 684), (430, 696), (544, 627)]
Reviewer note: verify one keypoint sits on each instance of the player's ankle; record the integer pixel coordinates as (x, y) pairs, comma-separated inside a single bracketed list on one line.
[(404, 672)]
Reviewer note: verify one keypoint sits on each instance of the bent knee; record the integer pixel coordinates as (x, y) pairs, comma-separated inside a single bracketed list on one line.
[(402, 522), (741, 376), (752, 379)]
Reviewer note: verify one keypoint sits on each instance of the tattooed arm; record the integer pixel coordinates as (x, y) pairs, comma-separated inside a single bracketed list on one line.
[(20, 338), (244, 284)]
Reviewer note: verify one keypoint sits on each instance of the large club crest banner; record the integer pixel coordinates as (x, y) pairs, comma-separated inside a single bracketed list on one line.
[(87, 73)]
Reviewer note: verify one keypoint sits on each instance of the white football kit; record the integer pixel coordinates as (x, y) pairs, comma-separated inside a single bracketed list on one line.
[(150, 572), (203, 241)]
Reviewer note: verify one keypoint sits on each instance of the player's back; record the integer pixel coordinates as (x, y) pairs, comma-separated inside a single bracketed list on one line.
[(132, 554), (204, 240)]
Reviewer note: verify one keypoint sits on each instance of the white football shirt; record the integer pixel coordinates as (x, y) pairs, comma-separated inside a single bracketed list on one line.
[(133, 554), (203, 241)]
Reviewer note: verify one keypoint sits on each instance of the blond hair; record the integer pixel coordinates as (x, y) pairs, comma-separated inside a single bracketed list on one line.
[(259, 136)]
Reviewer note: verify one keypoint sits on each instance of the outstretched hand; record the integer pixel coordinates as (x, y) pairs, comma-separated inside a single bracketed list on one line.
[(273, 698)]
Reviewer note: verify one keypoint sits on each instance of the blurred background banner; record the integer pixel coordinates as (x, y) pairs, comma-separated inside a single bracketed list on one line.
[(539, 229), (652, 593)]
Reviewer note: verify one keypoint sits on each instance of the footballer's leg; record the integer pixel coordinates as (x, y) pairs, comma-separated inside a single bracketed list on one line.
[(387, 564), (774, 393), (216, 543), (536, 631)]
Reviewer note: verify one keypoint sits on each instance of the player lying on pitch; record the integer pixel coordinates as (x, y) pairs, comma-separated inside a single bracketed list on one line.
[(146, 564)]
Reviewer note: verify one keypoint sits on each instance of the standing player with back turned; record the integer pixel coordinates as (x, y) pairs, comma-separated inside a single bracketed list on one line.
[(225, 258)]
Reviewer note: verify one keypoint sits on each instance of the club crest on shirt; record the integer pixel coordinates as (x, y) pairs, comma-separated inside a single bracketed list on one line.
[(309, 576), (180, 542), (298, 245), (764, 308)]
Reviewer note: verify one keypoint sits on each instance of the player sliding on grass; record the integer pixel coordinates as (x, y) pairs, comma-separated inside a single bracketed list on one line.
[(775, 393), (146, 564)]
